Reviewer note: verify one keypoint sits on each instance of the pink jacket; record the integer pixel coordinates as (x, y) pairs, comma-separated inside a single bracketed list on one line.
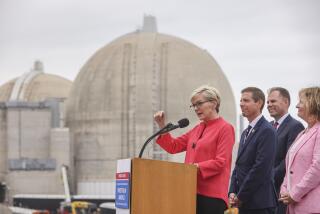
[(304, 172)]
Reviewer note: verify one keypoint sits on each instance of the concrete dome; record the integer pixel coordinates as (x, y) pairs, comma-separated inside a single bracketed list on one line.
[(35, 86), (113, 99)]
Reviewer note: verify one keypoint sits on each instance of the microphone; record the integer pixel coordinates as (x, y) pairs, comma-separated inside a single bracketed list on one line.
[(169, 127)]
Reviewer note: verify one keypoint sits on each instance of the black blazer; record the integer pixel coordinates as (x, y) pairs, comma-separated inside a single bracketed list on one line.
[(286, 134), (252, 177)]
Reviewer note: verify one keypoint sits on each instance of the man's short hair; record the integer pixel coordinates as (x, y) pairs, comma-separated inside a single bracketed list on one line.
[(282, 91), (257, 94)]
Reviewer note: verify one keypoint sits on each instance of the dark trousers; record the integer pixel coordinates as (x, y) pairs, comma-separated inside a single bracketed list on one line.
[(258, 211), (281, 208), (208, 205)]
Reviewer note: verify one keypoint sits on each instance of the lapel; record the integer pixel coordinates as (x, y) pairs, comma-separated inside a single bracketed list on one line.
[(283, 124), (244, 145), (309, 134)]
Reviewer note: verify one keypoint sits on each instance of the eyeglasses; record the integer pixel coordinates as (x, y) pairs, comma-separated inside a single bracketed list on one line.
[(199, 104)]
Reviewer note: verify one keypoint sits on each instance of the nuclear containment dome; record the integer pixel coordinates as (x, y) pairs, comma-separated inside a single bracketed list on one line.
[(35, 86), (113, 99)]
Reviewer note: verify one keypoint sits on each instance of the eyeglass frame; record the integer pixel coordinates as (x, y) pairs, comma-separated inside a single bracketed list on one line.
[(199, 104)]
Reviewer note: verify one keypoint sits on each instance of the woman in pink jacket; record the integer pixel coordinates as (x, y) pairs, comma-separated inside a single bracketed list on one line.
[(209, 146), (301, 186)]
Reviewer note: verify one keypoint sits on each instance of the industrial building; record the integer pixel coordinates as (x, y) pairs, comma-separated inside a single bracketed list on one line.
[(34, 142)]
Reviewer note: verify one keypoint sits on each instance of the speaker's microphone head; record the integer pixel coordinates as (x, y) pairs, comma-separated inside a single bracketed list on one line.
[(183, 123)]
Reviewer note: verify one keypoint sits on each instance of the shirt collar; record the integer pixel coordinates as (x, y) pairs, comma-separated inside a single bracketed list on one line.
[(282, 119), (254, 122)]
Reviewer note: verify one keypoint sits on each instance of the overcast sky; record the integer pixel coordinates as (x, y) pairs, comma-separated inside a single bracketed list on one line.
[(257, 43)]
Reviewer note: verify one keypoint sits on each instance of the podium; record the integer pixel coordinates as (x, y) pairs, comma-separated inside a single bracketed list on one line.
[(155, 187)]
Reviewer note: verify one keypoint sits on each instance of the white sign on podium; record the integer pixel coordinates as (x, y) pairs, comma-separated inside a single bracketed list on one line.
[(122, 195)]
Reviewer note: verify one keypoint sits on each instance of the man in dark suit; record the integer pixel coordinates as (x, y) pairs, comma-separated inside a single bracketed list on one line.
[(252, 188), (287, 130)]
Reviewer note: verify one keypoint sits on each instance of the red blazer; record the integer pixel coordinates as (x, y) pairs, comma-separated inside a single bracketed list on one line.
[(210, 145)]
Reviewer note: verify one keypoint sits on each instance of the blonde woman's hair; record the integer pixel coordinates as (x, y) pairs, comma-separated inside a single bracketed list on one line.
[(312, 96), (210, 93)]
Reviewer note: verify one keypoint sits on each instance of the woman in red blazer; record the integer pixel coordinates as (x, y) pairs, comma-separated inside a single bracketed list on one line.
[(209, 146), (301, 186)]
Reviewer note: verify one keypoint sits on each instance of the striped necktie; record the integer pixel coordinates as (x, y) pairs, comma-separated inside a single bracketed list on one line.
[(247, 133)]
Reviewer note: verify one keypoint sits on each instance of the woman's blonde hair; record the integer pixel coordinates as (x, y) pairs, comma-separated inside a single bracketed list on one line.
[(210, 93), (312, 96)]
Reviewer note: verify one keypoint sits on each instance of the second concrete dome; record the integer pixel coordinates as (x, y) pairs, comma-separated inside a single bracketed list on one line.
[(113, 99), (35, 86)]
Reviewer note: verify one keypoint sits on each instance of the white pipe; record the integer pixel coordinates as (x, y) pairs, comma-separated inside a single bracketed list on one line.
[(65, 183)]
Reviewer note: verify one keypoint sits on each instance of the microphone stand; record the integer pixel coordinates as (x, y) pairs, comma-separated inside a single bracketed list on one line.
[(161, 131)]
